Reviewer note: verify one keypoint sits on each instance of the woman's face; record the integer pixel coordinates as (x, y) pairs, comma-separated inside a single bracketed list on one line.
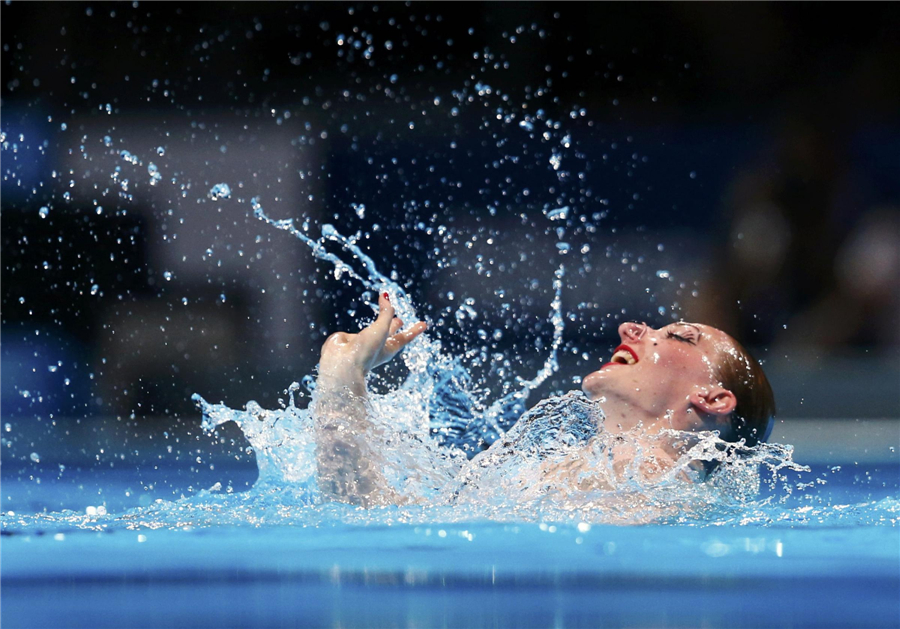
[(657, 370)]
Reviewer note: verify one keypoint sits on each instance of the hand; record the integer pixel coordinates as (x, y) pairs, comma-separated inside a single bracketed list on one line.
[(350, 357)]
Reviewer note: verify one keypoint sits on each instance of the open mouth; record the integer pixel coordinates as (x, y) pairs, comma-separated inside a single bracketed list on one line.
[(623, 355)]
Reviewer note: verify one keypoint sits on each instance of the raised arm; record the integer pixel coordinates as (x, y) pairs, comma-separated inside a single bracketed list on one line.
[(349, 466)]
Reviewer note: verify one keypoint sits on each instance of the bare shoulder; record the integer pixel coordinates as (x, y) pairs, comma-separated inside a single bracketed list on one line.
[(651, 461)]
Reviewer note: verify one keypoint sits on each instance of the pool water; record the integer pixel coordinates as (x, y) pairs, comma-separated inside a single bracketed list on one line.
[(828, 556)]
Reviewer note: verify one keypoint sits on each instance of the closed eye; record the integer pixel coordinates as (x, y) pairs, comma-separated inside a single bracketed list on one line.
[(683, 339)]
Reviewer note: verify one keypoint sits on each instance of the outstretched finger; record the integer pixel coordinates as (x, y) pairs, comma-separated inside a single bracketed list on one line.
[(401, 339), (381, 327), (396, 324)]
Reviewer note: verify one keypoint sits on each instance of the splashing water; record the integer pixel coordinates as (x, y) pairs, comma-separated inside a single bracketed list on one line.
[(431, 433), (429, 437), (555, 464), (436, 379), (556, 461)]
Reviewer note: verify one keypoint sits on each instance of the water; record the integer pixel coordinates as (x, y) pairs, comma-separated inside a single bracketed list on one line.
[(511, 203), (527, 532), (532, 525), (827, 559)]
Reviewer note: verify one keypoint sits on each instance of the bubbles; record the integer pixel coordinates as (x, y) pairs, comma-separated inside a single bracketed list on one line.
[(35, 457), (44, 212)]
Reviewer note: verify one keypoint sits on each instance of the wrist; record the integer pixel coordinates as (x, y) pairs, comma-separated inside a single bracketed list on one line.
[(341, 376)]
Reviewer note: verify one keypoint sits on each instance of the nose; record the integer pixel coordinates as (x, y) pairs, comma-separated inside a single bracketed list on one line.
[(632, 331)]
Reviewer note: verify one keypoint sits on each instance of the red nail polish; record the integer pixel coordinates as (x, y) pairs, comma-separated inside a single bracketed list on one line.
[(386, 296)]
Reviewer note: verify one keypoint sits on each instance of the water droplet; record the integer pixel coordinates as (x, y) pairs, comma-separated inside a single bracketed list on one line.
[(693, 174), (662, 274), (220, 191), (160, 151), (95, 289), (559, 214), (44, 212), (168, 275), (35, 457)]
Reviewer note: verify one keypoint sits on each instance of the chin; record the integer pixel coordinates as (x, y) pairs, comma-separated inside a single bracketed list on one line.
[(592, 384)]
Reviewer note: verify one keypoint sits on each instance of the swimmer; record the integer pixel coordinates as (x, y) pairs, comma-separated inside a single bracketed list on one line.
[(683, 376)]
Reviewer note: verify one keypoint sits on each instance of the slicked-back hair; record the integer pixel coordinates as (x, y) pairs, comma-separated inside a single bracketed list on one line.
[(741, 374)]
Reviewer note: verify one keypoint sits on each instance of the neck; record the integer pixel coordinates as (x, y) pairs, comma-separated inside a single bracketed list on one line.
[(621, 416)]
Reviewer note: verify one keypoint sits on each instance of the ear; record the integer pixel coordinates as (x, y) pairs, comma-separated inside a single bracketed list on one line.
[(714, 401)]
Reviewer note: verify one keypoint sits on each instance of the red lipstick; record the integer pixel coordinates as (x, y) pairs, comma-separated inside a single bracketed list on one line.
[(629, 350), (622, 348)]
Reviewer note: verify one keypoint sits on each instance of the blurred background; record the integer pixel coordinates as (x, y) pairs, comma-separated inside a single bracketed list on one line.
[(735, 164)]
